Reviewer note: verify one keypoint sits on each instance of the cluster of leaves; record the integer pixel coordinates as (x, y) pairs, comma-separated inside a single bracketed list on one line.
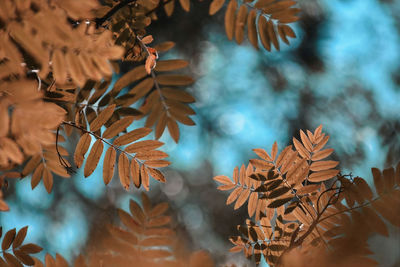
[(295, 202), (147, 239), (14, 252), (270, 17)]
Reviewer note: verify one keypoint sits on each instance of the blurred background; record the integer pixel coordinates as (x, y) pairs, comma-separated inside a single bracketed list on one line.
[(343, 71)]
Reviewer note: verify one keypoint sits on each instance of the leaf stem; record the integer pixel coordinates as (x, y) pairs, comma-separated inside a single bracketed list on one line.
[(73, 124)]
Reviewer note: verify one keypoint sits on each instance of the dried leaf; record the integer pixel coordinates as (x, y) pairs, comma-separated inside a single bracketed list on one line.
[(109, 164), (123, 170), (20, 237), (143, 146), (102, 118), (323, 165), (47, 180), (132, 136), (322, 175), (156, 174), (8, 239), (173, 129), (118, 127), (234, 195), (215, 6), (322, 154), (252, 205), (230, 19), (135, 173), (93, 158), (279, 202)]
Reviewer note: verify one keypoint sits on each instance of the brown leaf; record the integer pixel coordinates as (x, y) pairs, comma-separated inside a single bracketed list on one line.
[(240, 23), (262, 154), (4, 119), (93, 158), (263, 31), (135, 173), (176, 79), (31, 165), (272, 34), (49, 261), (177, 94), (157, 163), (131, 76), (164, 46), (234, 195), (25, 258), (321, 143), (132, 136), (123, 170), (150, 63), (375, 222), (159, 209), (185, 5), (323, 165), (223, 179), (378, 181), (322, 175), (148, 39), (8, 239), (215, 6), (37, 175), (230, 19), (47, 180), (173, 129), (252, 205), (12, 260), (156, 174), (137, 212), (261, 164), (151, 155), (118, 127), (81, 149), (301, 149), (306, 142), (19, 239), (144, 177), (322, 154), (109, 164), (170, 65), (279, 202), (30, 248), (143, 146), (102, 118), (159, 221)]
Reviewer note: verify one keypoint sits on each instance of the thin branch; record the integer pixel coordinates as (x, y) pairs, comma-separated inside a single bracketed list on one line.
[(65, 164), (73, 124), (354, 208)]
